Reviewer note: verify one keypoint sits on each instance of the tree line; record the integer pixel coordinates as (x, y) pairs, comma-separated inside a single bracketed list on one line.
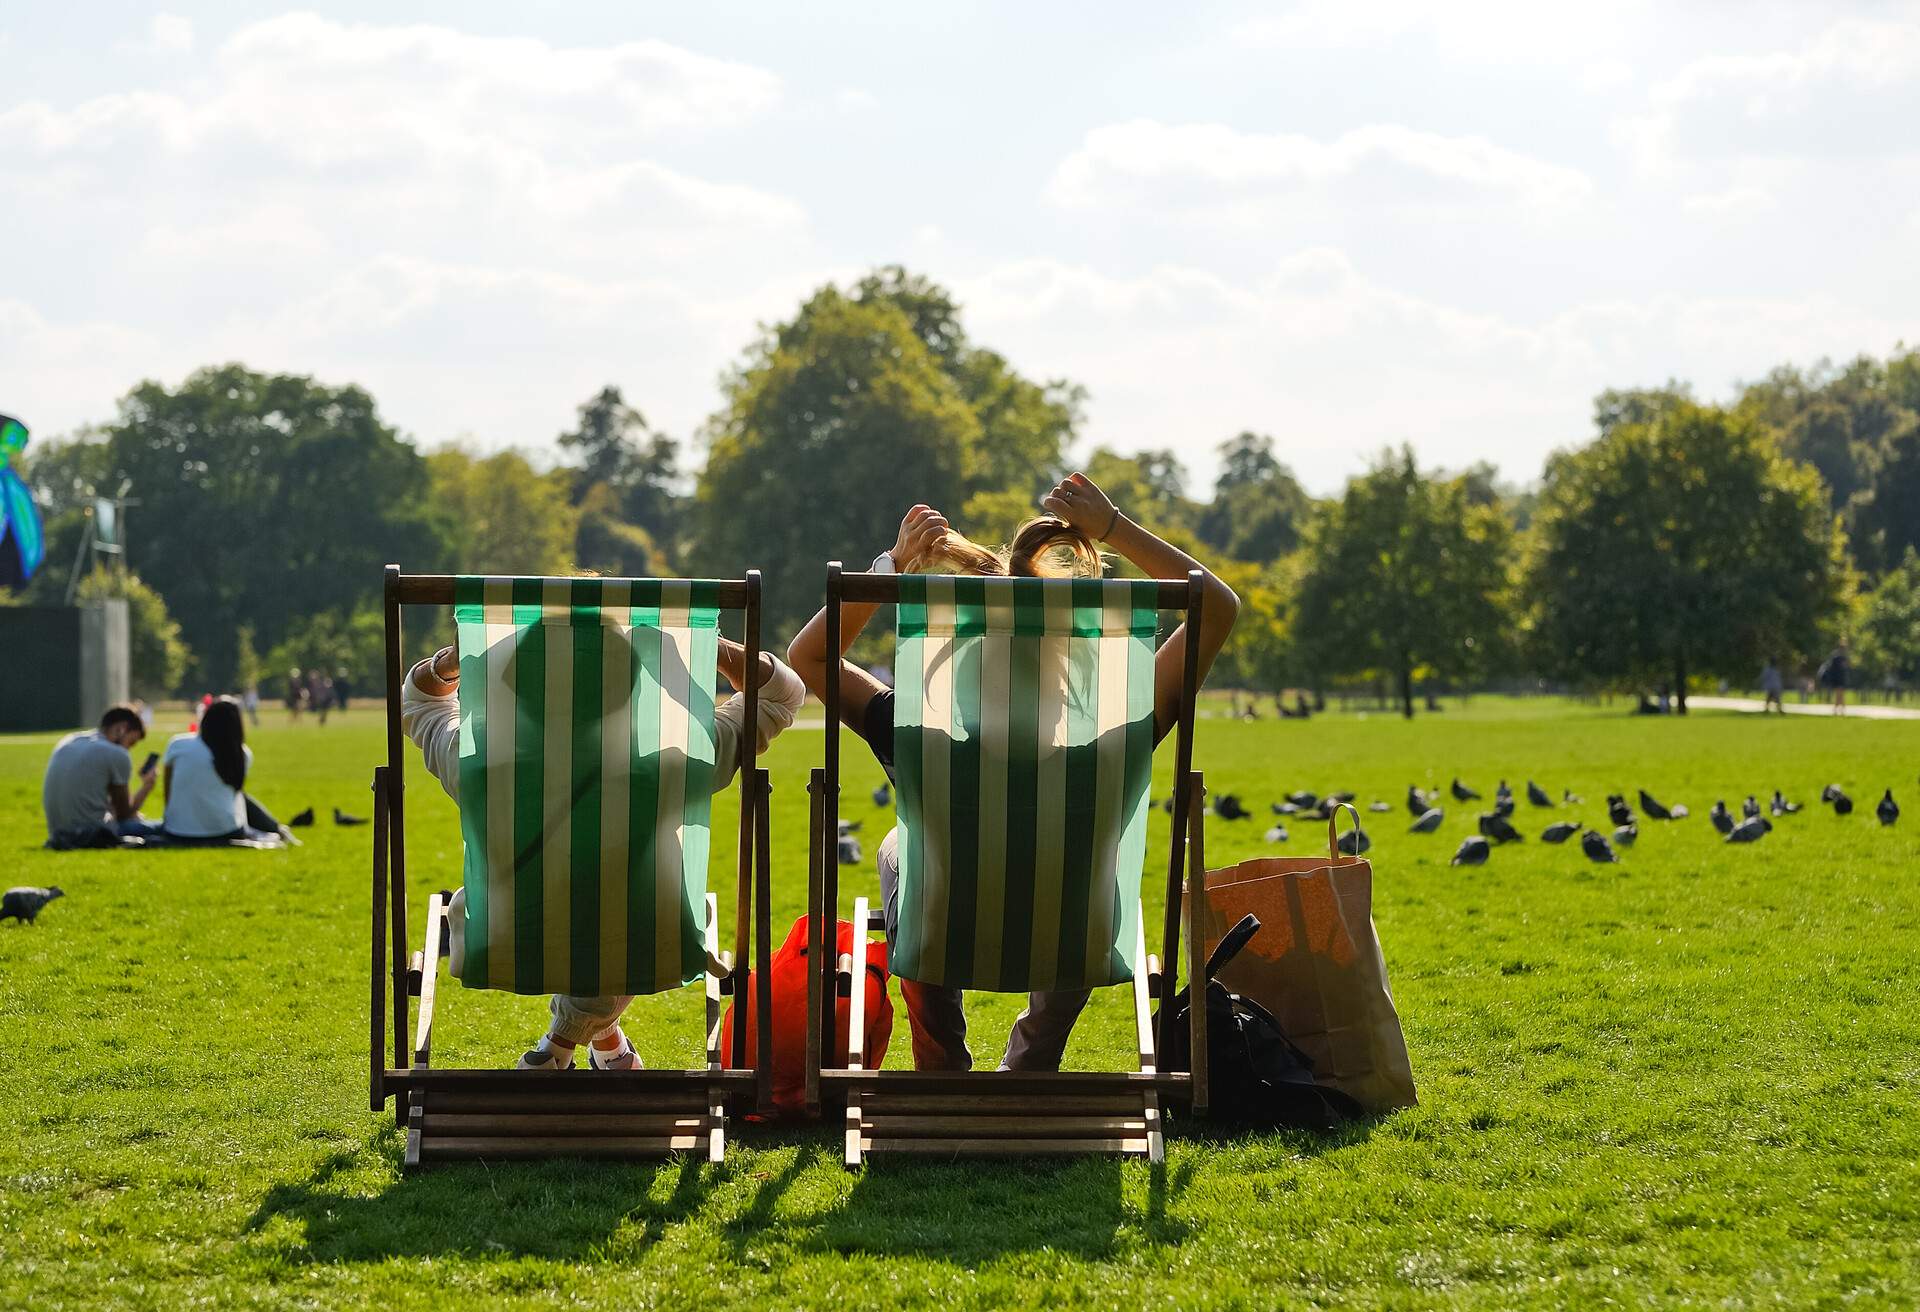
[(1682, 542)]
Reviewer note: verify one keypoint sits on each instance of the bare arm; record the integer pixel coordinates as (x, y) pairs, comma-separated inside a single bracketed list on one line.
[(922, 527), (1083, 505)]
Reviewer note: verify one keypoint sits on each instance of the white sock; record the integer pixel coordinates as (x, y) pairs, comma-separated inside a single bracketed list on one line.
[(558, 1047)]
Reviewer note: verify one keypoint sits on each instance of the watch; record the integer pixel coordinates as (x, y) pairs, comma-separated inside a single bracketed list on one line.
[(883, 564)]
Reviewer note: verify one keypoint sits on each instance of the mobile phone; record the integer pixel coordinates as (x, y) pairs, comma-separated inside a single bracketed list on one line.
[(146, 766)]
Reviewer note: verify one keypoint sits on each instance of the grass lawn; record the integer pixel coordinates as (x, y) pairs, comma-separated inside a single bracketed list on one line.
[(1692, 1079)]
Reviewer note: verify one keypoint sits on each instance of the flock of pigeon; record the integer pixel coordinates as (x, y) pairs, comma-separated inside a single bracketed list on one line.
[(1497, 826)]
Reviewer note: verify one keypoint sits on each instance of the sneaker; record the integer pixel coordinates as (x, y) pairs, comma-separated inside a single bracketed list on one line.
[(544, 1058), (622, 1058)]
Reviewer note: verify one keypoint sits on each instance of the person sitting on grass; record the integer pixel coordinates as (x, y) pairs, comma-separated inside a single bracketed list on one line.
[(85, 794), (1060, 543), (206, 779), (430, 716)]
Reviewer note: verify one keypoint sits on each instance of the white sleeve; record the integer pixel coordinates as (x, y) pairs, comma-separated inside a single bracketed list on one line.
[(434, 725), (780, 700)]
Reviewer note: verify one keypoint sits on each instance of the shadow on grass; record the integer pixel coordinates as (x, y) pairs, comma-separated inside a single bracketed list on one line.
[(557, 1209)]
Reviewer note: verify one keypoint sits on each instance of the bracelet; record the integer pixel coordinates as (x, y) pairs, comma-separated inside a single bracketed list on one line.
[(1110, 524)]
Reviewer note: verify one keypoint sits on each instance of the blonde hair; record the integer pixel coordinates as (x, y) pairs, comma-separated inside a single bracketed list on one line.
[(1044, 548)]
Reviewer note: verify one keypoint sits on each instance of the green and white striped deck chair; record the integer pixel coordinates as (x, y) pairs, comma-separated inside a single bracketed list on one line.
[(586, 770), (1023, 748)]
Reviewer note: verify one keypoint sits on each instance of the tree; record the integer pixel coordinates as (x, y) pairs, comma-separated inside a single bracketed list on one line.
[(157, 657), (247, 669), (624, 482), (1404, 573), (833, 426), (502, 517), (1617, 407), (1889, 622), (263, 498), (1680, 546), (1258, 508), (1886, 514)]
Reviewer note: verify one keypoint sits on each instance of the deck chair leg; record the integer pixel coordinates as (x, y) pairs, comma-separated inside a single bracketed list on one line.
[(716, 1099), (1144, 968), (856, 1032)]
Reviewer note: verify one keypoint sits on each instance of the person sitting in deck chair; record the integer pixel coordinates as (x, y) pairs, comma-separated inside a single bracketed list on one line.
[(430, 716), (1060, 543)]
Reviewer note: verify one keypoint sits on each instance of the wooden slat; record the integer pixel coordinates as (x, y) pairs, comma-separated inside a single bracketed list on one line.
[(1038, 1083), (445, 1149), (437, 589), (573, 1083), (555, 1124), (879, 1104), (884, 589), (1076, 1127), (1009, 1147), (691, 1103)]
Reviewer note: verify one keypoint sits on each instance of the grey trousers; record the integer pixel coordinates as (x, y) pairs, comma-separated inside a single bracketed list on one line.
[(939, 1022)]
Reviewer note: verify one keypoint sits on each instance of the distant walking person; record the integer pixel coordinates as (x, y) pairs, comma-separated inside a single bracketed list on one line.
[(319, 694), (342, 689), (85, 794), (1833, 674), (1772, 685), (296, 695)]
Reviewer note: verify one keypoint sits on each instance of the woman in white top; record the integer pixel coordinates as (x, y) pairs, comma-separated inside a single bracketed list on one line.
[(206, 777)]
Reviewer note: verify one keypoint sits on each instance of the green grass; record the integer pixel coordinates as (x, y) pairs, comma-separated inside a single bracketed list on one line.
[(1688, 1080)]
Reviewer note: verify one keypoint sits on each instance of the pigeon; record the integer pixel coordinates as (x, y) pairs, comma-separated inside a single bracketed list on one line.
[(1498, 828), (1503, 793), (1285, 808), (1337, 798), (1830, 792), (302, 820), (1570, 797), (1842, 804), (342, 818), (1537, 795), (1462, 793), (1749, 808), (1167, 805), (1379, 807), (1651, 808), (1503, 805), (1722, 819), (1354, 842), (1277, 834), (1417, 802), (882, 796), (1427, 823), (1888, 810), (1472, 852), (849, 850), (1304, 800), (1598, 849), (24, 904), (1618, 811), (849, 827), (1678, 811), (1561, 832), (1781, 806), (1749, 831), (1626, 834), (1227, 807)]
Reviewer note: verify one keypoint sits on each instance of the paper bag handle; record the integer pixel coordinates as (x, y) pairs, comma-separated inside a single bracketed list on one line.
[(1333, 816)]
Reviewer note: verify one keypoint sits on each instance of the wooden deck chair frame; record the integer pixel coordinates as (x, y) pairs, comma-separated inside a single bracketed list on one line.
[(501, 1114), (1003, 1113)]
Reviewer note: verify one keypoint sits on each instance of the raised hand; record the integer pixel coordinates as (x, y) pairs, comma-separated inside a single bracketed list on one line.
[(1080, 503), (920, 531)]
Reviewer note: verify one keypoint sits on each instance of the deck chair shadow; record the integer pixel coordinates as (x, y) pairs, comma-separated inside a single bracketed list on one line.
[(1023, 743), (585, 774)]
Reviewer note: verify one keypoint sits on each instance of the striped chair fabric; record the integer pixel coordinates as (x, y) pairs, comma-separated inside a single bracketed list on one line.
[(586, 765), (1023, 742)]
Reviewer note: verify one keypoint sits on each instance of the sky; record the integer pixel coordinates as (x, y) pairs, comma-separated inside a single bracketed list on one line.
[(1344, 225)]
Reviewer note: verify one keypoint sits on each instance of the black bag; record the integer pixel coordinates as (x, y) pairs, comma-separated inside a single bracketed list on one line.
[(1255, 1073)]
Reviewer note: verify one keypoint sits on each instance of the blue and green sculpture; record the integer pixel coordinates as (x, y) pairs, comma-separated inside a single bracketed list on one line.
[(22, 543)]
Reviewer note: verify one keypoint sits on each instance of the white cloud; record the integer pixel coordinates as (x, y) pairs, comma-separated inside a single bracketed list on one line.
[(854, 100), (1200, 167), (1734, 202), (170, 34), (1336, 365), (1851, 90)]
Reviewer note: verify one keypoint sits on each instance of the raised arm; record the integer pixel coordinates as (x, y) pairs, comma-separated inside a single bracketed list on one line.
[(1083, 505), (921, 528)]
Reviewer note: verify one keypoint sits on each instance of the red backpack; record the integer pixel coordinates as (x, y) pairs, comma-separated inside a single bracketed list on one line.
[(788, 970)]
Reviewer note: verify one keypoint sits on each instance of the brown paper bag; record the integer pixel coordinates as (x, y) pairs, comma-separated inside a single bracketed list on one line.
[(1316, 965)]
